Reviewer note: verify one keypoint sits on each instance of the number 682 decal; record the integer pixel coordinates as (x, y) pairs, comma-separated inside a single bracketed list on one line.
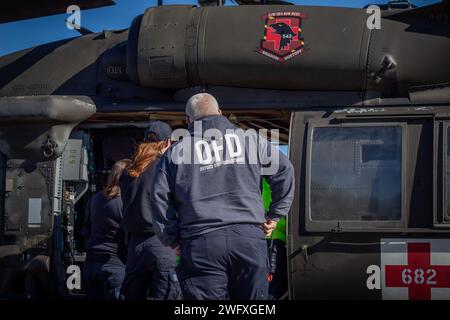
[(419, 276)]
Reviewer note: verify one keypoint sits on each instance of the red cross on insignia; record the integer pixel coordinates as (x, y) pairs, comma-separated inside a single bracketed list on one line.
[(419, 276)]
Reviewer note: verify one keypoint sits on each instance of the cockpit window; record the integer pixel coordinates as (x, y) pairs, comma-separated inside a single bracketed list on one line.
[(356, 173)]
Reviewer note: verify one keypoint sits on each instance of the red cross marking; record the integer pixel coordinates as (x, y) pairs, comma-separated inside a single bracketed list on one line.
[(419, 276)]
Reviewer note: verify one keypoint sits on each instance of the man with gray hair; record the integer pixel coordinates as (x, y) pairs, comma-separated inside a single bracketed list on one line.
[(201, 105), (210, 209)]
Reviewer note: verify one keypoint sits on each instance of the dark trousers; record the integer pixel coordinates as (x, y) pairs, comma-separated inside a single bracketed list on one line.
[(150, 266), (279, 284), (103, 279), (230, 263)]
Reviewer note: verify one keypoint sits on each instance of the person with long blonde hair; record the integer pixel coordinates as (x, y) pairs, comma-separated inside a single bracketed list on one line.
[(150, 269), (105, 245)]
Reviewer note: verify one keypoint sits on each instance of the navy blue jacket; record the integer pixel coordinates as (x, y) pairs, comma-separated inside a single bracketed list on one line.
[(217, 190), (137, 218), (102, 228)]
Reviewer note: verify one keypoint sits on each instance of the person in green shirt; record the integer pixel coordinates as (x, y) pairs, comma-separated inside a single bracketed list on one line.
[(276, 242)]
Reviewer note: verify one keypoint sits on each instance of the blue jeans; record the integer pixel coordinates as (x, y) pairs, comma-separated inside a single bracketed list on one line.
[(229, 263)]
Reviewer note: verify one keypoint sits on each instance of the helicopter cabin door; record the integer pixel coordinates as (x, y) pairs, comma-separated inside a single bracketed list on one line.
[(370, 218)]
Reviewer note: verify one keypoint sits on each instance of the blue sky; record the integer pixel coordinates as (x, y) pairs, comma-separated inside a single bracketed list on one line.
[(24, 34)]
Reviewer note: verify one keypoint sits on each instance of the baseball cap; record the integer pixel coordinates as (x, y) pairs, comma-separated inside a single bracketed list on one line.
[(157, 131)]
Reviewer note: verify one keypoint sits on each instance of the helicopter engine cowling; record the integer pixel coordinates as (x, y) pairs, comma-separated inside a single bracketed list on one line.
[(334, 49)]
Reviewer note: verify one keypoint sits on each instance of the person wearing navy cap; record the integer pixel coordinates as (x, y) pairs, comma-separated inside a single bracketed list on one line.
[(150, 269)]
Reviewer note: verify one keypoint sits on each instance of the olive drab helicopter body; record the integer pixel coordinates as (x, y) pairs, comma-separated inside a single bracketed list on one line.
[(365, 111)]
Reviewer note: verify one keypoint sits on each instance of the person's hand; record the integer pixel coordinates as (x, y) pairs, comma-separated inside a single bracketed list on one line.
[(269, 226), (176, 248)]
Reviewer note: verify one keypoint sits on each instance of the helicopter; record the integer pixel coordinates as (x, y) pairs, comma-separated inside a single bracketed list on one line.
[(365, 112)]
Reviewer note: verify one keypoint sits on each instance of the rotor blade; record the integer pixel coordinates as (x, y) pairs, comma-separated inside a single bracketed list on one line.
[(27, 9)]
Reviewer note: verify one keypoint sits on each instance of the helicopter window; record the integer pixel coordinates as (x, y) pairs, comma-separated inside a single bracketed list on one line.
[(356, 173)]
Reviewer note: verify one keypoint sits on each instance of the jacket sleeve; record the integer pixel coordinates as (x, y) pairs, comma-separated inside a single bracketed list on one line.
[(279, 173), (162, 203)]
